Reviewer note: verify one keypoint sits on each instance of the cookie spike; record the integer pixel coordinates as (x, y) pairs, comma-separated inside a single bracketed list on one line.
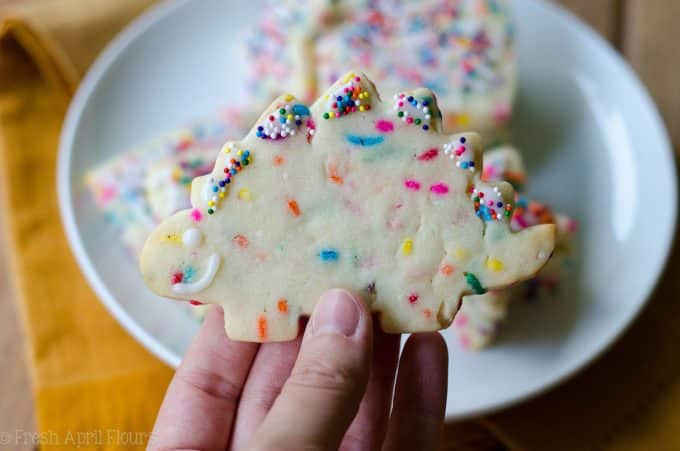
[(352, 93), (465, 150), (418, 108)]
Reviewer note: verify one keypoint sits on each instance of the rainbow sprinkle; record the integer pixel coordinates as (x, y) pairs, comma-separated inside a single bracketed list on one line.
[(413, 111), (474, 283), (490, 205), (217, 189), (460, 152), (283, 122), (350, 98)]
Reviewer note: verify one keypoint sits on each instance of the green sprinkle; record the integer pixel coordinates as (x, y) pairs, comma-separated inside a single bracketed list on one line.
[(417, 121), (400, 114), (326, 115), (474, 283)]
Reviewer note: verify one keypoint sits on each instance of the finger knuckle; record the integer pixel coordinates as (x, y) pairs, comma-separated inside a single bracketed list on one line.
[(211, 384), (322, 374)]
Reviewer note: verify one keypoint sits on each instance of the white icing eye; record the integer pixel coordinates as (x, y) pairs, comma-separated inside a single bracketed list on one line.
[(192, 238)]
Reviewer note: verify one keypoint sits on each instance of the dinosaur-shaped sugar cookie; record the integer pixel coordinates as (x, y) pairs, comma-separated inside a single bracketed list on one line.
[(353, 192)]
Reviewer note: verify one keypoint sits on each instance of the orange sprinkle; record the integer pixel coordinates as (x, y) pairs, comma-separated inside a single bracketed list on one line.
[(278, 160), (282, 305), (447, 270), (333, 174), (262, 327), (294, 207), (240, 241), (427, 313)]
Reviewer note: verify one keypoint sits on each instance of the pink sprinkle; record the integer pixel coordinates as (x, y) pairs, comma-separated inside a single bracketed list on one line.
[(384, 126), (196, 215), (428, 155), (107, 193), (409, 120), (412, 184), (413, 298), (460, 151), (439, 188), (461, 320)]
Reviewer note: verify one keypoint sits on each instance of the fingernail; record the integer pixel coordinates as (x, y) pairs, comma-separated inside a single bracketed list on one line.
[(336, 313)]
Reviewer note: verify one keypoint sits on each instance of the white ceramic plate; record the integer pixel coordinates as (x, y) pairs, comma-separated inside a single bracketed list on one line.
[(595, 145)]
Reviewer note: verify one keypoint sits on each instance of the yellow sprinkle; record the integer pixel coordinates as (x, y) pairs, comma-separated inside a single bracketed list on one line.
[(226, 148), (361, 108), (366, 93), (172, 238), (331, 113), (463, 119), (407, 246), (289, 117), (211, 203), (494, 264), (326, 97), (348, 77), (288, 97), (244, 194), (239, 153), (221, 195), (460, 253), (176, 174)]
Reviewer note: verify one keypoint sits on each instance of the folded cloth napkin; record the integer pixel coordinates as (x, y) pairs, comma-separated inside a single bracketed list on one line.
[(91, 377)]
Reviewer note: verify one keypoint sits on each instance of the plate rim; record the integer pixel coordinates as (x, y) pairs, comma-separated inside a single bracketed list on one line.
[(155, 14)]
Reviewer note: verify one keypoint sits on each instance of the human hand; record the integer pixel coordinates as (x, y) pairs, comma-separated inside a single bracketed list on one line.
[(329, 389)]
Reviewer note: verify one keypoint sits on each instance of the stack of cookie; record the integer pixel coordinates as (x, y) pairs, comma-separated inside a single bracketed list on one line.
[(462, 50)]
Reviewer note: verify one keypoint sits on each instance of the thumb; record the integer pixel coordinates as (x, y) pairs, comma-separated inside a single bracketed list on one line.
[(322, 395)]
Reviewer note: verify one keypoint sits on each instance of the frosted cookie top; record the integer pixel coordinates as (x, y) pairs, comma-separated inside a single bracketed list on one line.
[(352, 192), (463, 50)]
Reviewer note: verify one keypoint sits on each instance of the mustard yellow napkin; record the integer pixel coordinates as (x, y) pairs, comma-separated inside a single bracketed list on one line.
[(89, 375)]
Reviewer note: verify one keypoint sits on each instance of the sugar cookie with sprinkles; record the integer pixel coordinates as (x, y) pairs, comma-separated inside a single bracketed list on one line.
[(136, 188), (463, 50), (368, 203), (481, 316)]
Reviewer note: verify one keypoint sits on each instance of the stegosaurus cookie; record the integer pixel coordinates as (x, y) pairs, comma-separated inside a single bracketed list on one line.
[(352, 192)]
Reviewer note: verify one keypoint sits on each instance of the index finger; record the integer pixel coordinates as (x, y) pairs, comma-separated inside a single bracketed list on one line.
[(200, 404)]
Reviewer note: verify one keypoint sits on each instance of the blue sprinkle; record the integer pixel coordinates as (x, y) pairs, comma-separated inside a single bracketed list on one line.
[(188, 274), (464, 165), (365, 141), (215, 189), (329, 255), (300, 109), (282, 119), (484, 213)]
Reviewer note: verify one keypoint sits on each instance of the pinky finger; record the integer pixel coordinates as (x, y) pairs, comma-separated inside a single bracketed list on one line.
[(420, 395)]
